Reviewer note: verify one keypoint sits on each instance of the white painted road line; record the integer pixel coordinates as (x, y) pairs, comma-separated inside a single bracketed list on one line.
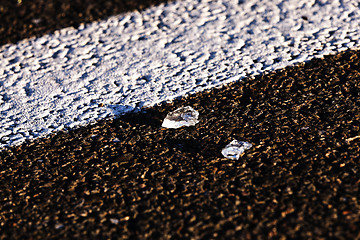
[(106, 68)]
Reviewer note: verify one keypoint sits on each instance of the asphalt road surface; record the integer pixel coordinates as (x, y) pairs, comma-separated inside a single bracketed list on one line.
[(128, 178)]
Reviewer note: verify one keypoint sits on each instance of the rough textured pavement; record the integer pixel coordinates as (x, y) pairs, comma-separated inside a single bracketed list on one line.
[(128, 178), (143, 58), (23, 19)]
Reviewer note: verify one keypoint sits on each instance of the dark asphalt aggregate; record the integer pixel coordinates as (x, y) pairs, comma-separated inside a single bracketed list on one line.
[(21, 19), (128, 178)]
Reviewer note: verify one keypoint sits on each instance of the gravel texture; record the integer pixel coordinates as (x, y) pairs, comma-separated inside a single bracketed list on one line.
[(21, 19), (130, 178)]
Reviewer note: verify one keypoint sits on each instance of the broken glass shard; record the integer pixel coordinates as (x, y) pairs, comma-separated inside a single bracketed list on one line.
[(184, 116), (234, 149)]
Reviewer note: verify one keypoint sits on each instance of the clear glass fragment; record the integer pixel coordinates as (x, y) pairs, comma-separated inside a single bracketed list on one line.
[(234, 149), (184, 116)]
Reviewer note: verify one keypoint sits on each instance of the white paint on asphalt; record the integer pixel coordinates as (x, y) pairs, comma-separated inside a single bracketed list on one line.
[(106, 68)]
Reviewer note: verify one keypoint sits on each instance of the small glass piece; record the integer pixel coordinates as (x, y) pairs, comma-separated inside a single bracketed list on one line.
[(234, 149), (184, 116)]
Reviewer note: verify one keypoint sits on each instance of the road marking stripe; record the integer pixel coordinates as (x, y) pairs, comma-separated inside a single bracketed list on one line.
[(106, 68)]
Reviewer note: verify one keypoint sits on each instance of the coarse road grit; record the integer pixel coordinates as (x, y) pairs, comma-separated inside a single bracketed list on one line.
[(129, 178)]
